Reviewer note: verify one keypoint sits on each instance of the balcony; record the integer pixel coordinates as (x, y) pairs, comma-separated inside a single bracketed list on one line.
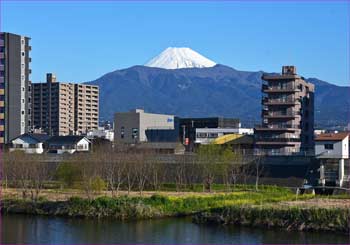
[(2, 79), (279, 89), (291, 101), (2, 103), (2, 55), (291, 114), (277, 127), (279, 139), (283, 152), (2, 128), (2, 67), (2, 115), (2, 43)]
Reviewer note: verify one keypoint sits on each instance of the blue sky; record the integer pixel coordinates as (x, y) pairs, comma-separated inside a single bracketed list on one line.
[(80, 41)]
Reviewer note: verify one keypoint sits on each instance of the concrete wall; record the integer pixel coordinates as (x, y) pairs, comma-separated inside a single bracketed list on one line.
[(154, 121), (125, 122), (340, 149), (138, 119)]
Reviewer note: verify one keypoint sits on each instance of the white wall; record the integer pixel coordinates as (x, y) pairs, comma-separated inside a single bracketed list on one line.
[(154, 121), (25, 142), (82, 145), (340, 149), (220, 132)]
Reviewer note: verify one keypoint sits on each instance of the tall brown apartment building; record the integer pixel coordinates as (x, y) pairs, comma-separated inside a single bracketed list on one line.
[(64, 108), (287, 114), (15, 86)]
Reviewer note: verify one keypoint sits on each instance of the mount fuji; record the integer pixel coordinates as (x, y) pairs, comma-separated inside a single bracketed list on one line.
[(176, 58), (182, 82)]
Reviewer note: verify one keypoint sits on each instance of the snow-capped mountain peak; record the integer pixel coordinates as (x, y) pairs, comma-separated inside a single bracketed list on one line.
[(176, 58)]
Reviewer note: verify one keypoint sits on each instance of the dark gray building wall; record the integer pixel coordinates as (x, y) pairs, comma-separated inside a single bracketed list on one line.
[(45, 107)]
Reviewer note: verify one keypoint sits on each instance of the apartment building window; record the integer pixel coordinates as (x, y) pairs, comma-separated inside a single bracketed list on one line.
[(202, 135), (134, 132), (122, 132), (328, 146), (213, 135)]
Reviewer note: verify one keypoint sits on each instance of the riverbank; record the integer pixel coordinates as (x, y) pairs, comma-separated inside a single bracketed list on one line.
[(268, 207), (136, 207), (275, 216)]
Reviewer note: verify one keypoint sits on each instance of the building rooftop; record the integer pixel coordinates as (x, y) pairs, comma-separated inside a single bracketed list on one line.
[(37, 137), (332, 136), (64, 140)]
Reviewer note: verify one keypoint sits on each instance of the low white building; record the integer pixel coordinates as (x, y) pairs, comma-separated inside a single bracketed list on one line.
[(29, 143), (207, 135), (68, 144), (101, 132), (332, 148)]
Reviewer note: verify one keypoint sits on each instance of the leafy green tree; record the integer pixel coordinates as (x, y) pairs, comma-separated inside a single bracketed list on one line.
[(68, 174), (98, 184), (214, 160)]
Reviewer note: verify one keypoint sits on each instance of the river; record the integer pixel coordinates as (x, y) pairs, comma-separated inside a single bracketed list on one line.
[(55, 230)]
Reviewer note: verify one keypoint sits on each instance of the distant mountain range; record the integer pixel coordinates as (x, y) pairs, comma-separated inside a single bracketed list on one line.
[(210, 91), (181, 81)]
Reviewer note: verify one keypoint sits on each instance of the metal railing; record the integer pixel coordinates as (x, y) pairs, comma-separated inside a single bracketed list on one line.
[(291, 114), (281, 139), (278, 126)]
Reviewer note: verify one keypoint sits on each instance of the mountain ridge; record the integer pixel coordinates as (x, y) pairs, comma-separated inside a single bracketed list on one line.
[(198, 92)]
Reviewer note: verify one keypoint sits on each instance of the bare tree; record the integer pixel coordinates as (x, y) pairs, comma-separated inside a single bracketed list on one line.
[(258, 171), (157, 171), (179, 172), (113, 169), (39, 174), (142, 162), (27, 172)]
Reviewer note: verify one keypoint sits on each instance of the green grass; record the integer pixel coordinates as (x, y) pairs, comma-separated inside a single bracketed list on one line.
[(138, 207), (170, 205)]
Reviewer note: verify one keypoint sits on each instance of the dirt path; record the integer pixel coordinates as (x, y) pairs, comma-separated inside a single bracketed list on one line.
[(319, 202)]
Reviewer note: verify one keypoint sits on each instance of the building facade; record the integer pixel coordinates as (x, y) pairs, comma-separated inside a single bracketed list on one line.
[(287, 114), (188, 126), (64, 108), (130, 127), (332, 151), (15, 86), (208, 135)]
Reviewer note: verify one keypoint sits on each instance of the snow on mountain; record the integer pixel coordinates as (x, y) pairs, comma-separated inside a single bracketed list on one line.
[(176, 58)]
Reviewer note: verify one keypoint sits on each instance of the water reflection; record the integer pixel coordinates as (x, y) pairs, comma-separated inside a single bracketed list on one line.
[(43, 230)]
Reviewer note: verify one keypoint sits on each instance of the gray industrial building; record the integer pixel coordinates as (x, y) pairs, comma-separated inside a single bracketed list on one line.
[(130, 127), (15, 86)]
